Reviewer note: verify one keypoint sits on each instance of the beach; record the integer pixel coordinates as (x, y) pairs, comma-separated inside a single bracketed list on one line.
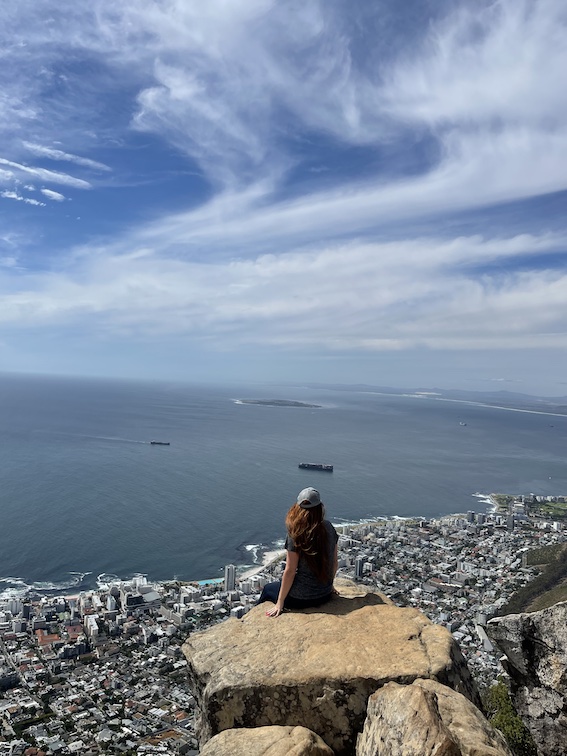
[(267, 558)]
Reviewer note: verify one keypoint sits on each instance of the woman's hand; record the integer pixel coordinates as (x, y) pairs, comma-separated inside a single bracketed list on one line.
[(275, 611)]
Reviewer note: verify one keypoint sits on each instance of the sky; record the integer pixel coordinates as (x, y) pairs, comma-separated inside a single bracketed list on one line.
[(296, 191)]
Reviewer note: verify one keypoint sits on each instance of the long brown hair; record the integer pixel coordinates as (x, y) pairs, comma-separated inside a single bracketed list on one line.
[(310, 537)]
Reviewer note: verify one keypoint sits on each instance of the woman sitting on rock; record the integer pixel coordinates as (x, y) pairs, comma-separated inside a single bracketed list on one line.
[(311, 560)]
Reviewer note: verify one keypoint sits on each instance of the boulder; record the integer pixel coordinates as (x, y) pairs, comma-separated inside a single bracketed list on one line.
[(426, 719), (535, 646), (316, 667), (267, 741)]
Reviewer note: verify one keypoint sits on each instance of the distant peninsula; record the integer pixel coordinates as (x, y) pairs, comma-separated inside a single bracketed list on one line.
[(503, 400), (278, 403)]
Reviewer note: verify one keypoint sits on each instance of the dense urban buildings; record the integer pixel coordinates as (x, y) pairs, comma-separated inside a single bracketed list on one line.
[(103, 672)]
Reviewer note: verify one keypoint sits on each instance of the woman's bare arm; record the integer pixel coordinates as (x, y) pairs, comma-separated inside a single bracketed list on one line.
[(335, 566), (291, 562), (336, 560)]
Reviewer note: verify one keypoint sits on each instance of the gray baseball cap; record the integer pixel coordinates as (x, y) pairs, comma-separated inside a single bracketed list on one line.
[(308, 498)]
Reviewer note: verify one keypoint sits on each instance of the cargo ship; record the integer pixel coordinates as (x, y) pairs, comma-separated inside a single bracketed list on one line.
[(314, 466), (160, 443)]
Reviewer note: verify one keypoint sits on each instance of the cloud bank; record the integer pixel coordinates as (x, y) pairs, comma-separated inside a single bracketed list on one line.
[(340, 153)]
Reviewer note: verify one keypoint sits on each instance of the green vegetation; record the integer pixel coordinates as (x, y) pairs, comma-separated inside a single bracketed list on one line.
[(19, 727), (502, 500), (68, 724), (87, 659), (544, 587), (554, 596), (544, 555), (555, 509), (502, 715)]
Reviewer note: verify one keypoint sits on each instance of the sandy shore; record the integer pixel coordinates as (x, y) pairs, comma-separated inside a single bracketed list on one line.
[(267, 558)]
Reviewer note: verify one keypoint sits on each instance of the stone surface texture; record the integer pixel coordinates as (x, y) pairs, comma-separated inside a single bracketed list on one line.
[(267, 741), (426, 719), (317, 668), (535, 646)]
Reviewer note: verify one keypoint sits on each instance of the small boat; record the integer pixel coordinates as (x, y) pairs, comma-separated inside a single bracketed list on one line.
[(160, 443), (314, 466), (461, 423)]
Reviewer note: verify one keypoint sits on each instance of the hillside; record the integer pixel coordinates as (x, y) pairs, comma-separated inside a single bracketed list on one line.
[(548, 588)]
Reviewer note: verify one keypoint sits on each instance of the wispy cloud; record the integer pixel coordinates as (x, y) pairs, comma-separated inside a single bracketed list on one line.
[(233, 85), (7, 194), (54, 154), (43, 174), (487, 64), (55, 196), (330, 142)]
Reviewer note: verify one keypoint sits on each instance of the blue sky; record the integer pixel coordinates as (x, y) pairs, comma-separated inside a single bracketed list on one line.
[(297, 191)]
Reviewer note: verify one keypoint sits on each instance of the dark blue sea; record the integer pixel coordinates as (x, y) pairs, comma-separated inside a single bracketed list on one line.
[(84, 495)]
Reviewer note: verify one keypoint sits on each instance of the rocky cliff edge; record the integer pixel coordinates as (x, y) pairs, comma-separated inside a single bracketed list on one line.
[(317, 668), (535, 646)]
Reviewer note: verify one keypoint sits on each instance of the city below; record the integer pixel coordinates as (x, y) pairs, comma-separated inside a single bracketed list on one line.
[(103, 671)]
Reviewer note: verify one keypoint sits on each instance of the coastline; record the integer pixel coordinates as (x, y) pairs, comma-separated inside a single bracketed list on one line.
[(180, 486), (267, 558), (488, 499), (18, 587)]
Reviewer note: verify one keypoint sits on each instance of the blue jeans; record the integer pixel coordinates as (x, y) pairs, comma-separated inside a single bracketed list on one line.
[(270, 592)]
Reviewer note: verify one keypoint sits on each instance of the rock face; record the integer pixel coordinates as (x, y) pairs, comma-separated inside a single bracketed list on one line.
[(426, 719), (267, 741), (535, 646), (318, 667)]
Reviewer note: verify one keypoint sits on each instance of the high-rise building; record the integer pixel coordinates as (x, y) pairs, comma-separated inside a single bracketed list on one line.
[(14, 606), (229, 577), (359, 567)]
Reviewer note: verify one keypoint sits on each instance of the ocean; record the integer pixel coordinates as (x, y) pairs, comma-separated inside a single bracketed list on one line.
[(84, 496)]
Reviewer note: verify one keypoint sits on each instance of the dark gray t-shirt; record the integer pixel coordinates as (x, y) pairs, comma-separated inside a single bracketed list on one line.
[(305, 584)]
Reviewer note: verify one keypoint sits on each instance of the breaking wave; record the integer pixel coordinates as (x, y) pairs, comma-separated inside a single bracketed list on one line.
[(16, 587)]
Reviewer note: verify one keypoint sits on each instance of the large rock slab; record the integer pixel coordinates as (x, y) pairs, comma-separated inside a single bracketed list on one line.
[(426, 719), (316, 668), (535, 646), (267, 741)]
